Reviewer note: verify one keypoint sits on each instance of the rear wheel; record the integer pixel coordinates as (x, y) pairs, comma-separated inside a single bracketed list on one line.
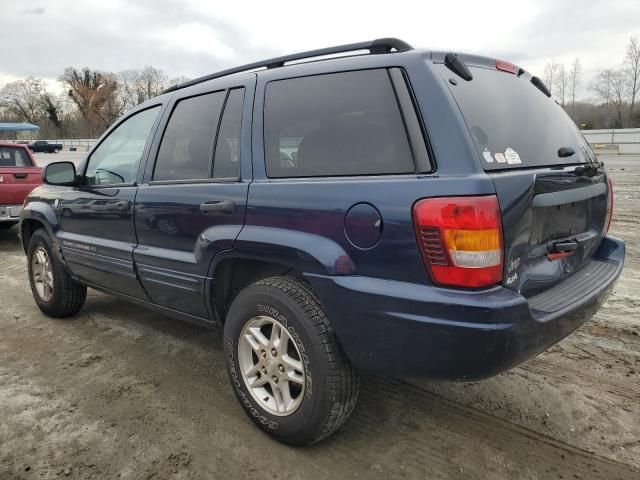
[(285, 364), (55, 292)]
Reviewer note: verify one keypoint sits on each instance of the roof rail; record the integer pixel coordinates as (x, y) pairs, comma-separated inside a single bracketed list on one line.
[(380, 45)]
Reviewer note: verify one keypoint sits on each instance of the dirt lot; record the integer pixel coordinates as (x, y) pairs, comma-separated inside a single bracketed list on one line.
[(119, 391)]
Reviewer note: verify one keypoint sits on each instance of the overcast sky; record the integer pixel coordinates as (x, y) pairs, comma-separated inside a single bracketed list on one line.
[(195, 37)]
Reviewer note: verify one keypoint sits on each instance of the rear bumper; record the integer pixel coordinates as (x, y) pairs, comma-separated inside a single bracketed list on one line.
[(401, 329), (10, 213)]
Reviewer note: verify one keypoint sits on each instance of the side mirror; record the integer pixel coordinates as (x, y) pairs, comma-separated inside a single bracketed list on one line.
[(60, 173)]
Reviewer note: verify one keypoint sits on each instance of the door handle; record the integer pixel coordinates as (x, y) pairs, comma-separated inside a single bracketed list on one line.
[(20, 175), (213, 207)]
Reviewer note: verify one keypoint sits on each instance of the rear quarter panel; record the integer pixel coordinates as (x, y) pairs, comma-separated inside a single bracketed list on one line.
[(317, 206)]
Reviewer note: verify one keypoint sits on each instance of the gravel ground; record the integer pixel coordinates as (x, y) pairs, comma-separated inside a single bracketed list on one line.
[(119, 391)]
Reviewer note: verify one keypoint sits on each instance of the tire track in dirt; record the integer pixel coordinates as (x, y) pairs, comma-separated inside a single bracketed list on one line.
[(544, 367), (397, 429), (541, 454)]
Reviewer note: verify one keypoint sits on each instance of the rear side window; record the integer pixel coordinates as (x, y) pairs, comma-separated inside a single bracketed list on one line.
[(335, 124), (14, 157), (187, 145)]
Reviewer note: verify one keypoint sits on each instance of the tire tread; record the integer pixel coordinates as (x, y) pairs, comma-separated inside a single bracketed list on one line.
[(69, 295), (343, 380)]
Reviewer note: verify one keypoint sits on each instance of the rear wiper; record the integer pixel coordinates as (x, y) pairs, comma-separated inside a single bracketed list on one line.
[(565, 152), (540, 86)]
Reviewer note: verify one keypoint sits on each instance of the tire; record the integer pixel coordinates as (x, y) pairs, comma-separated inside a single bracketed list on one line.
[(326, 384), (63, 296), (7, 225)]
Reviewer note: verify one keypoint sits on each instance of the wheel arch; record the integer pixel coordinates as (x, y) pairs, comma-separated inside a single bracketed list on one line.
[(29, 223), (233, 273), (261, 252)]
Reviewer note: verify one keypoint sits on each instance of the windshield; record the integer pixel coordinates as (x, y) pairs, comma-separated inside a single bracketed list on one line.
[(513, 124)]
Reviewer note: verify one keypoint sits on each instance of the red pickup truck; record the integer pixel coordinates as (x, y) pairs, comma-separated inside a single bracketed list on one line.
[(18, 176)]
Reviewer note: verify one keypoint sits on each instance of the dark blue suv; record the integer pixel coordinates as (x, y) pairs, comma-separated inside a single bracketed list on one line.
[(388, 210)]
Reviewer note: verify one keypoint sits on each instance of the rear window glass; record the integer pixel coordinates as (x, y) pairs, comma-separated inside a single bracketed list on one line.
[(336, 124), (14, 157), (513, 124)]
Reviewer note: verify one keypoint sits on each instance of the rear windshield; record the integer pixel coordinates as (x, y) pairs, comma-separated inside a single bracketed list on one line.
[(513, 124), (14, 157)]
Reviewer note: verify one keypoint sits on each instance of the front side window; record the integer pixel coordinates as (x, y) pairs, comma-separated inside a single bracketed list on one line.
[(335, 124), (117, 158)]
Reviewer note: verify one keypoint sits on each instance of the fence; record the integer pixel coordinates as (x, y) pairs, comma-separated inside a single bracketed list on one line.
[(84, 144), (622, 141)]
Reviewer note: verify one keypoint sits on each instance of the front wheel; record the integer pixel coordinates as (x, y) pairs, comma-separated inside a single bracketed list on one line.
[(53, 289), (285, 364)]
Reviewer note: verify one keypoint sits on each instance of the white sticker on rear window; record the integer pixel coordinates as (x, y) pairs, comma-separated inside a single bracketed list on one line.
[(512, 156), (500, 158), (487, 156)]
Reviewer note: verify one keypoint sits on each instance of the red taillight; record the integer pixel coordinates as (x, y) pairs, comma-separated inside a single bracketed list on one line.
[(506, 66), (460, 239), (607, 221)]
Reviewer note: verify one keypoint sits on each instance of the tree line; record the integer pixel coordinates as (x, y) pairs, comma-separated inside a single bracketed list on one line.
[(91, 100), (614, 92)]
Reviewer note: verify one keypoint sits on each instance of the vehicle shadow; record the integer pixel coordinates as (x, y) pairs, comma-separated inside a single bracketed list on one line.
[(9, 239)]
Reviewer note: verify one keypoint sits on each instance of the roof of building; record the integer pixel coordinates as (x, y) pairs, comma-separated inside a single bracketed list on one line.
[(18, 127)]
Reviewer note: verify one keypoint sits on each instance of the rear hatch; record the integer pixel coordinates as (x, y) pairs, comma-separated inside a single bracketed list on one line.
[(553, 193)]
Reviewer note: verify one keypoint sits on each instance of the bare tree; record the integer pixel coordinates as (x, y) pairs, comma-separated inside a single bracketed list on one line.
[(152, 82), (574, 80), (127, 88), (562, 83), (609, 87), (632, 72), (137, 86), (24, 99), (550, 72), (178, 80), (94, 93)]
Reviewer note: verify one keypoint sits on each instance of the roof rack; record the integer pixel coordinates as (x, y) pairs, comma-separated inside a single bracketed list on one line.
[(380, 45)]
